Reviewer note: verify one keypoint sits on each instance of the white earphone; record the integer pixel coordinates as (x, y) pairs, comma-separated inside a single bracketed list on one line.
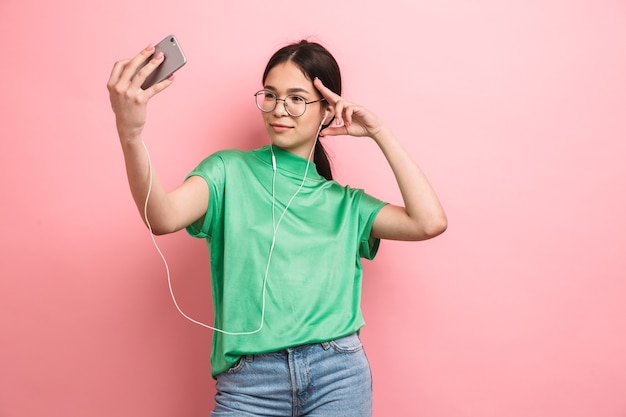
[(275, 226)]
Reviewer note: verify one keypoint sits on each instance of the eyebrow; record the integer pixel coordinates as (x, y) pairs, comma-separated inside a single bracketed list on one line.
[(289, 90)]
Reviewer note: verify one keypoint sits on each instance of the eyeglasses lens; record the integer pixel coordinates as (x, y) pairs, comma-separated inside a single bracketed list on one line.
[(267, 101)]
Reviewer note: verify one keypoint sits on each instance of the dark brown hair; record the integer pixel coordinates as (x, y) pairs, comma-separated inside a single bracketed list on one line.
[(314, 61)]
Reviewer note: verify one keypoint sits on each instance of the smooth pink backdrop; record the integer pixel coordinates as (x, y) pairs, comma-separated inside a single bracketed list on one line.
[(516, 111)]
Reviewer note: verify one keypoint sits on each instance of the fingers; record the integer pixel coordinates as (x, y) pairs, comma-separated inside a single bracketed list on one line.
[(125, 69), (335, 131), (350, 118), (158, 87), (133, 72), (347, 111), (116, 72), (141, 66), (336, 102), (127, 77), (328, 94)]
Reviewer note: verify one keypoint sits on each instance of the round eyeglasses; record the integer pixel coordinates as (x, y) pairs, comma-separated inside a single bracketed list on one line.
[(295, 106)]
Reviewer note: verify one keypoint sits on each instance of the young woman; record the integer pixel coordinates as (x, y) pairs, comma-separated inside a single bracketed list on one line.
[(285, 239)]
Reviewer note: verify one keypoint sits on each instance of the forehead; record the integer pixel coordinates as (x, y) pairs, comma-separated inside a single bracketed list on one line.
[(288, 77)]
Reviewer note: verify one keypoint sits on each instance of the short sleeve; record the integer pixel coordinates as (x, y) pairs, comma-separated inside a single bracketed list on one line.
[(212, 170), (368, 209)]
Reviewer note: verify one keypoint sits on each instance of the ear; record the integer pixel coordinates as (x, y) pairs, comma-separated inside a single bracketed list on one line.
[(329, 115)]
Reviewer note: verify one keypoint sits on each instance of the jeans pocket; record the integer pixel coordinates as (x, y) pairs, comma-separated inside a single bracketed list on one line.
[(347, 344), (239, 365)]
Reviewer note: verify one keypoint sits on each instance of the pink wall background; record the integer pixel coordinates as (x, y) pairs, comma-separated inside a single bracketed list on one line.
[(514, 109)]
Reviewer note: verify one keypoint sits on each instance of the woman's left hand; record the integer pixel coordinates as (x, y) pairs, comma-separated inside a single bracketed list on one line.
[(350, 119)]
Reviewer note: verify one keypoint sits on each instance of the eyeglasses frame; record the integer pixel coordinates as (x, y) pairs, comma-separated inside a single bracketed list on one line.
[(284, 100)]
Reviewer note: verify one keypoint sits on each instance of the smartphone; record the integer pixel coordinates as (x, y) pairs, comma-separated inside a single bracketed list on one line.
[(174, 60)]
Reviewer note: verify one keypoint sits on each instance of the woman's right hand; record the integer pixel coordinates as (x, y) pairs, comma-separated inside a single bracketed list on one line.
[(128, 100)]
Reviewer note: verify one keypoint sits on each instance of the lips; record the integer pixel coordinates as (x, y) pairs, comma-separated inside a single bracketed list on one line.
[(280, 127)]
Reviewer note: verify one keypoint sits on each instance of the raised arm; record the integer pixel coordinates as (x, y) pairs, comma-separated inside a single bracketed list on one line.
[(422, 216), (167, 212)]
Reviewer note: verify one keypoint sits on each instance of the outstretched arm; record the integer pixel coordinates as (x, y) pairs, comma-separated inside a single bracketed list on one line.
[(422, 216), (167, 212)]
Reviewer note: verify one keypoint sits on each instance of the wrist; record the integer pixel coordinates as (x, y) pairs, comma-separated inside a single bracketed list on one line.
[(130, 140), (381, 134), (129, 135)]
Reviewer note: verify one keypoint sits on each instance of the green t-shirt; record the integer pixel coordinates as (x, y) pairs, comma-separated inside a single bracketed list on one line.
[(313, 289)]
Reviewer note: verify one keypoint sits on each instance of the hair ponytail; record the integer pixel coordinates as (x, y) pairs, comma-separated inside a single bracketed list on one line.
[(322, 163)]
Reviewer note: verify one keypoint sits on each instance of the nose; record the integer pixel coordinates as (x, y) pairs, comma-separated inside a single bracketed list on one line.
[(281, 108)]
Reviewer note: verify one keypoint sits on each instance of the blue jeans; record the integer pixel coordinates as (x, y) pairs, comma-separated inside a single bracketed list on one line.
[(322, 379)]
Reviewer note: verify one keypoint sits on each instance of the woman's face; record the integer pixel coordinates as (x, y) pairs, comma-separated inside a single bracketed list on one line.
[(293, 134)]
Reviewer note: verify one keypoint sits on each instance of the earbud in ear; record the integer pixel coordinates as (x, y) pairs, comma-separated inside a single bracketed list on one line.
[(326, 113)]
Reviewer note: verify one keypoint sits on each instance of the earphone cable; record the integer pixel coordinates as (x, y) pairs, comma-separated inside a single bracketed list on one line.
[(269, 259)]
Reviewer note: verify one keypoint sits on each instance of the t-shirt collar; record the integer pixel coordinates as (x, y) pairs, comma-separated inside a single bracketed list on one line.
[(287, 161)]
